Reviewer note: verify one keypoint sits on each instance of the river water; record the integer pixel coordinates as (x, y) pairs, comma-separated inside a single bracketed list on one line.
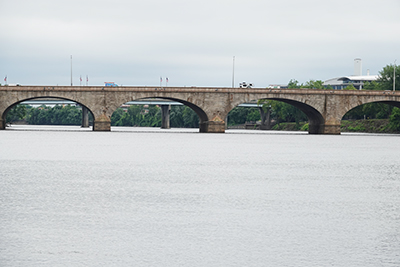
[(151, 197)]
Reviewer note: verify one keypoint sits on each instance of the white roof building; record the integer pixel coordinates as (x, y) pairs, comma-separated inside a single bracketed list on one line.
[(357, 80)]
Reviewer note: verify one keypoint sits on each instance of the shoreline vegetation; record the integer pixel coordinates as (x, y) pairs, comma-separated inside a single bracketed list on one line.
[(370, 118), (361, 126)]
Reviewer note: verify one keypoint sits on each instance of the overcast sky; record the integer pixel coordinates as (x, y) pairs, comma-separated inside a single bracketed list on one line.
[(193, 42)]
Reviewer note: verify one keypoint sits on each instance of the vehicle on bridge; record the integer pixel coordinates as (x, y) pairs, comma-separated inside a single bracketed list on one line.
[(245, 85), (110, 84)]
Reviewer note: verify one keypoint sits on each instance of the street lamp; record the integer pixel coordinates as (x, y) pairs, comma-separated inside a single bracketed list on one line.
[(394, 76), (71, 70), (233, 72)]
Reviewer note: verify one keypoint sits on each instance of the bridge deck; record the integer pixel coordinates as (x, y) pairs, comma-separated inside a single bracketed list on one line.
[(196, 90)]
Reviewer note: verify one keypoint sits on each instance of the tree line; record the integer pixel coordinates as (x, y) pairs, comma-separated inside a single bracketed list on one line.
[(150, 116), (44, 115), (135, 115), (185, 117)]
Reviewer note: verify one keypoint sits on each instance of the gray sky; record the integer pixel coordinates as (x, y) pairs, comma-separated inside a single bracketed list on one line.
[(193, 42)]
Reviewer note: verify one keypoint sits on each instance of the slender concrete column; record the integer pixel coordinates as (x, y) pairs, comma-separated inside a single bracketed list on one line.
[(102, 123), (265, 119), (85, 117), (165, 111)]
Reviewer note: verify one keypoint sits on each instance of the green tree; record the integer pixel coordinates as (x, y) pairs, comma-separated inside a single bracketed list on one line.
[(190, 118), (150, 116), (369, 111), (176, 116), (283, 112), (18, 112), (314, 84), (394, 120), (70, 115), (377, 110), (287, 113), (311, 84), (294, 84), (374, 85), (116, 116), (253, 115), (350, 87), (57, 115), (183, 116), (385, 78), (239, 115)]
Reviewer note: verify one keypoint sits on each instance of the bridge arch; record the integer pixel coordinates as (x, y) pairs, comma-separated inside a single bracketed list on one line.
[(12, 105), (315, 118), (203, 117), (316, 121), (367, 101)]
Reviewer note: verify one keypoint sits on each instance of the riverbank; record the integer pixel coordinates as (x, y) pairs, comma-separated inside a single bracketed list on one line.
[(364, 126)]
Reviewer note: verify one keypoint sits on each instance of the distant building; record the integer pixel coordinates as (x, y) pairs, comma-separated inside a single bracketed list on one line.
[(357, 80)]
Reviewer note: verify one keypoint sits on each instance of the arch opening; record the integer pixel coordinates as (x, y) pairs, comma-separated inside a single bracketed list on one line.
[(373, 117), (161, 112), (273, 111), (47, 111)]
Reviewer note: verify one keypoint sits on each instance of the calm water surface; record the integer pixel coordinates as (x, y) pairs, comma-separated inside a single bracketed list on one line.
[(146, 197)]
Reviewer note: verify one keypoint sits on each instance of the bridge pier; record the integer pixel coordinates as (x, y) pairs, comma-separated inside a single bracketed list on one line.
[(165, 111), (265, 119), (316, 128), (102, 123), (85, 117), (332, 129), (212, 127), (2, 124)]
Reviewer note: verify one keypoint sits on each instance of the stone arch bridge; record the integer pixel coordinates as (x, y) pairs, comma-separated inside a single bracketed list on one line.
[(324, 108)]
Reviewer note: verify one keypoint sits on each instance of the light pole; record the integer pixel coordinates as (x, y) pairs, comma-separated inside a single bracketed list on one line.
[(233, 73), (394, 76), (71, 70)]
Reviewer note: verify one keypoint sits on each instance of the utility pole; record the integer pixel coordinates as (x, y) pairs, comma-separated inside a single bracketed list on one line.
[(71, 70), (233, 73), (394, 76)]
